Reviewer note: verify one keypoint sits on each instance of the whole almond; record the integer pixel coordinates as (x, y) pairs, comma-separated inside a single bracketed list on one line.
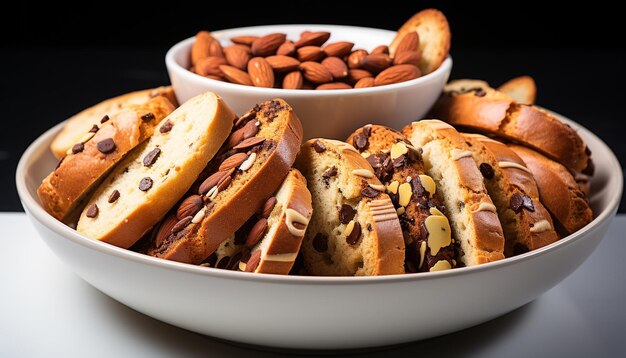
[(210, 66), (409, 42), (293, 80), (338, 49), (236, 75), (336, 66), (310, 53), (261, 72), (244, 40), (315, 72), (381, 49), (395, 74), (237, 57), (211, 181), (215, 49), (355, 58), (268, 207), (165, 229), (245, 48), (376, 62), (200, 47), (333, 86), (312, 39), (281, 63), (268, 44), (407, 58), (286, 49), (226, 180), (256, 233), (365, 82), (233, 161), (306, 85), (356, 74), (190, 206)]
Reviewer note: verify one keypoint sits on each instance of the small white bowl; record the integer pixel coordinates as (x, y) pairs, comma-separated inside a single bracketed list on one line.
[(319, 312), (328, 113)]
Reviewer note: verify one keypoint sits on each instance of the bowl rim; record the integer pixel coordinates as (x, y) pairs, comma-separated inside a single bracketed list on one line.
[(36, 212), (184, 45)]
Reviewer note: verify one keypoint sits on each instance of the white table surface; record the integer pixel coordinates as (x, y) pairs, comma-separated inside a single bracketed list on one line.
[(46, 310)]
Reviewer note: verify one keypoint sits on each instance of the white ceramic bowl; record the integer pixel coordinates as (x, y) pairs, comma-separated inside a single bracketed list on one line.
[(319, 312), (329, 113)]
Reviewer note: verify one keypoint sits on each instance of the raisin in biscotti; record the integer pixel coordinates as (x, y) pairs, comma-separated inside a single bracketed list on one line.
[(145, 184), (82, 122), (249, 168), (489, 111), (526, 223), (473, 216), (400, 167), (98, 149), (354, 230), (558, 191)]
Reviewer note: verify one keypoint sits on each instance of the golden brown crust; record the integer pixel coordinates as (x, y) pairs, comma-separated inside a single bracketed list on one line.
[(558, 191), (61, 191), (489, 111), (201, 240), (522, 89), (81, 122)]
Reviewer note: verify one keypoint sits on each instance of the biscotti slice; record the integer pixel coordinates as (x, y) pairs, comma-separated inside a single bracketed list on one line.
[(434, 36), (526, 223), (522, 89), (354, 230), (145, 184), (98, 149), (558, 191), (491, 112), (400, 167), (473, 216), (249, 168), (82, 122)]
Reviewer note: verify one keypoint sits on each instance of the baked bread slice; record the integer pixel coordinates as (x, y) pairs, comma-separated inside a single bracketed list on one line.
[(434, 37), (249, 168), (149, 181), (526, 223), (522, 89), (81, 123), (473, 216), (400, 167), (491, 112), (89, 159), (558, 191), (354, 230)]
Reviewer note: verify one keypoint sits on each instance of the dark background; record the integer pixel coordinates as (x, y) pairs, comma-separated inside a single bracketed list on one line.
[(56, 60)]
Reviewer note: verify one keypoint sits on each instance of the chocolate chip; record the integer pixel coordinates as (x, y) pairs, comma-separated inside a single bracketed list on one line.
[(590, 168), (166, 127), (528, 203), (399, 161), (330, 172), (360, 141), (77, 148), (388, 164), (223, 262), (320, 243), (114, 196), (319, 146), (486, 170), (346, 213), (94, 129), (519, 249), (147, 117), (151, 157), (369, 227), (375, 160), (234, 261), (181, 224), (249, 143), (369, 192), (72, 226), (106, 146), (211, 260), (145, 184), (418, 188), (587, 151), (367, 130), (479, 92), (104, 119), (92, 212), (355, 235)]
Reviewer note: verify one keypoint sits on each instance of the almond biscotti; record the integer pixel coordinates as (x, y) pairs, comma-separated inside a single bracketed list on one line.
[(472, 215), (82, 122), (150, 179), (400, 167), (526, 223), (249, 168), (97, 150), (354, 230)]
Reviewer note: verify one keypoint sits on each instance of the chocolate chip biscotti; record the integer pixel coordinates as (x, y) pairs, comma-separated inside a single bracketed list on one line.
[(400, 167), (249, 168), (152, 178)]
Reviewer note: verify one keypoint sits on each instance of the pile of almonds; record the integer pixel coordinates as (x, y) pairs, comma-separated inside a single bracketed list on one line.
[(273, 61)]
